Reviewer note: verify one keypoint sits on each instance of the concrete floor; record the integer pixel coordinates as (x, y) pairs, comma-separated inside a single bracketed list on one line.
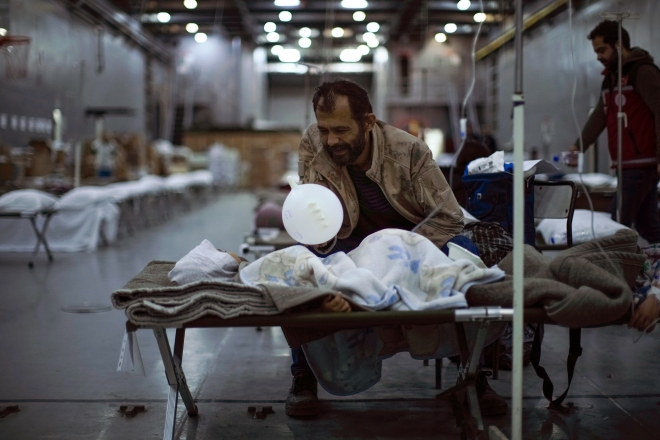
[(60, 368)]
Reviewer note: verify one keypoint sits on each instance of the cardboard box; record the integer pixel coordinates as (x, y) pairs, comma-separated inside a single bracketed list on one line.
[(40, 159)]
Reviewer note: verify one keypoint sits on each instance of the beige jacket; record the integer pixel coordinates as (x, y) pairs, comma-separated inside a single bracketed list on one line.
[(404, 169)]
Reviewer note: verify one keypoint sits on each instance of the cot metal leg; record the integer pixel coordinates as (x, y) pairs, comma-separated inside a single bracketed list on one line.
[(496, 359), (438, 374), (466, 386), (41, 238), (175, 378), (471, 372)]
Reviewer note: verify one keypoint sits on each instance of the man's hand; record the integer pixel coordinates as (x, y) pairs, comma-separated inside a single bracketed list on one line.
[(645, 314), (336, 304), (574, 149)]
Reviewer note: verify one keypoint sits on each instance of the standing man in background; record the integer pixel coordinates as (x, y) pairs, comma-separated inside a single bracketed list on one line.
[(641, 128), (384, 178)]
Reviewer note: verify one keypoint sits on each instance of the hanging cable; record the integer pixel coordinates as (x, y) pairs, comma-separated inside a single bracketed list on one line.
[(463, 120)]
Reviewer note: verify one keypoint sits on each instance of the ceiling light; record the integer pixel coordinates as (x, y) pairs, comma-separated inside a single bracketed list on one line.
[(450, 28), (273, 37), (363, 49), (287, 3), (163, 17), (190, 4), (3, 32), (354, 4), (305, 32), (270, 27), (350, 55), (304, 42), (276, 50), (192, 28), (200, 37), (479, 17), (338, 32), (373, 27), (289, 55), (368, 36), (373, 42), (440, 37), (464, 5), (285, 16), (359, 16)]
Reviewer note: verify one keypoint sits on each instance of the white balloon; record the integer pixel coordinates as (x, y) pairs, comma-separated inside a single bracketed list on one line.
[(312, 214)]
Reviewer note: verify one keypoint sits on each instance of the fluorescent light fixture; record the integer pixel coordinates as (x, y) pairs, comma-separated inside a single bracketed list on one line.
[(270, 27), (190, 4), (359, 16), (192, 28), (363, 49), (285, 3), (285, 16), (464, 5), (276, 50), (338, 32), (373, 27), (3, 32), (354, 4), (450, 28), (367, 36), (289, 55), (350, 56), (273, 37), (163, 17), (304, 42), (286, 68), (479, 17), (305, 32), (200, 37), (373, 42), (440, 37)]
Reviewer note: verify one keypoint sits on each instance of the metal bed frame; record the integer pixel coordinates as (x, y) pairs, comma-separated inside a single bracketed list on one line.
[(465, 389), (40, 233)]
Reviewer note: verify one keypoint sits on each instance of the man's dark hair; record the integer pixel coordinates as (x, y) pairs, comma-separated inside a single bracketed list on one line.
[(325, 98), (609, 31)]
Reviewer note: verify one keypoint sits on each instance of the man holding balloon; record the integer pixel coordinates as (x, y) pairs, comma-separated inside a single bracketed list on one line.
[(384, 178)]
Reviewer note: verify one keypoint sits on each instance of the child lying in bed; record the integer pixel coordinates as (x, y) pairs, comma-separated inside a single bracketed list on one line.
[(334, 304)]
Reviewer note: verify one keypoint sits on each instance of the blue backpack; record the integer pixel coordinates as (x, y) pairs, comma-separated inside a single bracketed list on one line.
[(490, 199)]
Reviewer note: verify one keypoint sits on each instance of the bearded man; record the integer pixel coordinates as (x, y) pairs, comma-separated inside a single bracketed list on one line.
[(384, 178), (640, 158)]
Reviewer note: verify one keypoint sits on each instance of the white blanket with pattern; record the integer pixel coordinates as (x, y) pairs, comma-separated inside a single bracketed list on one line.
[(391, 269)]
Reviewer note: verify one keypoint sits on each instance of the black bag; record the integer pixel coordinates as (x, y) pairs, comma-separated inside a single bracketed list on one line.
[(490, 199)]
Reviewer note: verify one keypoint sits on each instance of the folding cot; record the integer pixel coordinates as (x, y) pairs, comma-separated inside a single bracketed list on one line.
[(470, 351)]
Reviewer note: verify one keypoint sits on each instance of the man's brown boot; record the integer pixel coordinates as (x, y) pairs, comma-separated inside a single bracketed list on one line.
[(302, 400), (491, 403)]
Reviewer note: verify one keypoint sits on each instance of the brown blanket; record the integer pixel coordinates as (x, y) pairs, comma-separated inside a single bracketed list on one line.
[(580, 287)]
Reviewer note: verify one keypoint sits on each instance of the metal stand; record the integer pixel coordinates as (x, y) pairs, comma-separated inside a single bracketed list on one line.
[(175, 378), (518, 232), (621, 116), (41, 236)]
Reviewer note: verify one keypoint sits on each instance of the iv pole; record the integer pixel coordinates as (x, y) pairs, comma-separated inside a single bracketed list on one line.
[(621, 116), (518, 231)]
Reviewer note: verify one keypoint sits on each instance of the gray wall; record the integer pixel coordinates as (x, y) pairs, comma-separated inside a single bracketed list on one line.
[(226, 76), (64, 72), (287, 103), (549, 74)]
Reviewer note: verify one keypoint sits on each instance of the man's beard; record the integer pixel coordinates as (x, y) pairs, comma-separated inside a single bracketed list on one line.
[(351, 150), (613, 63)]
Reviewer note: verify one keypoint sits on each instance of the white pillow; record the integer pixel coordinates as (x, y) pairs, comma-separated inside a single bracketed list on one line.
[(554, 230), (468, 218), (26, 201), (84, 196)]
